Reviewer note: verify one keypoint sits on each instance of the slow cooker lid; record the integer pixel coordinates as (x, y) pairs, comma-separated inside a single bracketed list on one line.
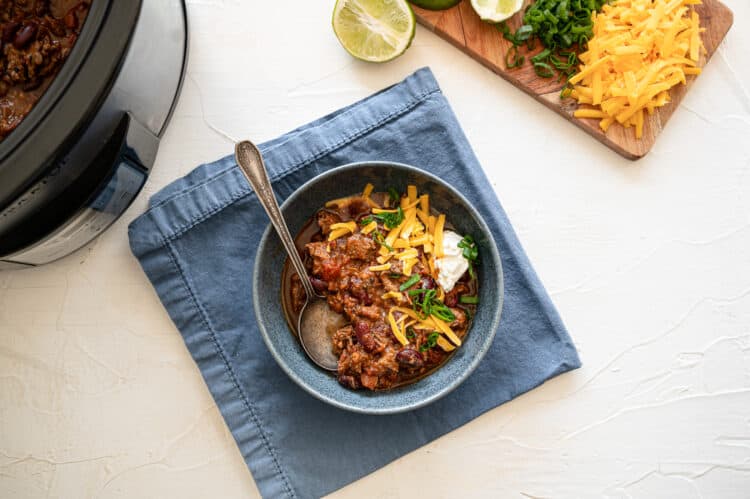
[(72, 99)]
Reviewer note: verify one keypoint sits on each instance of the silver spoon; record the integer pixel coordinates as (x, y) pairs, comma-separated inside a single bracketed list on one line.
[(317, 322)]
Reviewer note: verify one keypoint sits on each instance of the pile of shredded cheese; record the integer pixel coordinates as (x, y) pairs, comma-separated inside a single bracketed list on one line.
[(418, 229), (640, 49)]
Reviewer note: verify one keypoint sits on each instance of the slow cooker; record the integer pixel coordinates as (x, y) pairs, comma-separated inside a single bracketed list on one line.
[(82, 154)]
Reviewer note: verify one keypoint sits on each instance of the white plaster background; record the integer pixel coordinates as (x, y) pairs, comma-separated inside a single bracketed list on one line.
[(647, 262)]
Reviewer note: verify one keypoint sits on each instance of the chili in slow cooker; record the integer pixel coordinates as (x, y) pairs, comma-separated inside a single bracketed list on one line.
[(36, 38)]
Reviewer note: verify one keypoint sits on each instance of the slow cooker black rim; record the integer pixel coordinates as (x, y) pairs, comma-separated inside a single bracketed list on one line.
[(71, 101)]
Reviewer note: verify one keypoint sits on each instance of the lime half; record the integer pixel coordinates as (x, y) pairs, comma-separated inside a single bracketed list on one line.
[(495, 11), (374, 30), (435, 4)]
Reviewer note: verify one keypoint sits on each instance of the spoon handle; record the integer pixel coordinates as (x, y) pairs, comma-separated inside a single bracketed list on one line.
[(251, 163)]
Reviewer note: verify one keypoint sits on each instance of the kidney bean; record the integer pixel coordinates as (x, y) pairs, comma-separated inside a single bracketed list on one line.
[(361, 328), (451, 299), (71, 20), (32, 84), (348, 381), (319, 284), (428, 282), (364, 336), (9, 31), (41, 7), (410, 358), (25, 35), (362, 296)]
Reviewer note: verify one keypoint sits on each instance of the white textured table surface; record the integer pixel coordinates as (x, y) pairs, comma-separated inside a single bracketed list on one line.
[(647, 262)]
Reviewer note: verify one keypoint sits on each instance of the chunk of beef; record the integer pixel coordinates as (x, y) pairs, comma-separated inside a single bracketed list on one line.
[(460, 322), (361, 247), (325, 219)]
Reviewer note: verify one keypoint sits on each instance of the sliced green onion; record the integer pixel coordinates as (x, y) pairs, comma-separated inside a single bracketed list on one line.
[(391, 220), (431, 341), (426, 303), (380, 239), (563, 27), (409, 283), (469, 247), (468, 313), (512, 59), (543, 69), (410, 333), (393, 193), (469, 299)]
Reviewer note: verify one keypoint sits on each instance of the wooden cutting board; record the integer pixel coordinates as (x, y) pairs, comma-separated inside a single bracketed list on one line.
[(461, 26)]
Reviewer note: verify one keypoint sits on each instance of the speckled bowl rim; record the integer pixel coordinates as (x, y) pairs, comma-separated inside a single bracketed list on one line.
[(484, 347)]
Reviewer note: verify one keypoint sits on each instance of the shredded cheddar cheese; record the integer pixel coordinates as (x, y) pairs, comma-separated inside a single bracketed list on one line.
[(639, 51), (411, 192), (408, 266), (396, 328), (350, 226), (417, 229), (444, 328), (410, 253), (369, 227), (341, 229), (438, 236), (445, 344), (378, 268), (385, 258), (392, 294)]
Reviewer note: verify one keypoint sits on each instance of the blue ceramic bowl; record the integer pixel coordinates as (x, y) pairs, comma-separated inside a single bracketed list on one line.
[(283, 344)]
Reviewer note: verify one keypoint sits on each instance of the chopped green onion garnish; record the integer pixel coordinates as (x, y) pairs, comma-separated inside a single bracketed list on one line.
[(410, 333), (380, 239), (409, 282), (469, 299), (426, 302), (469, 247), (393, 193), (431, 341), (562, 26), (391, 220)]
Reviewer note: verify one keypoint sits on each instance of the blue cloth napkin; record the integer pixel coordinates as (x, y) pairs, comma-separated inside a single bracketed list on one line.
[(197, 243)]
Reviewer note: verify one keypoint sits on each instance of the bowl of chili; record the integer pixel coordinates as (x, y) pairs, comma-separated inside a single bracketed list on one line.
[(378, 239)]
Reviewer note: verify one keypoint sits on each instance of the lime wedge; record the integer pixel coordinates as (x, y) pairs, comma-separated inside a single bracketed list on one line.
[(495, 11), (374, 30), (435, 4)]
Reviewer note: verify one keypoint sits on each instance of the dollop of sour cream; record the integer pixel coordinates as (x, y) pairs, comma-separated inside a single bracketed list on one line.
[(453, 264)]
